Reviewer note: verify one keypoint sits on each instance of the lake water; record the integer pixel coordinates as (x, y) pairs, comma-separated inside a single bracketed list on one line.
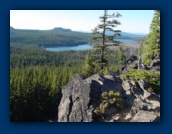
[(127, 40), (76, 48), (84, 46)]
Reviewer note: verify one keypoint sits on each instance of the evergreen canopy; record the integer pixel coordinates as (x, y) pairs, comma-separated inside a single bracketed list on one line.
[(102, 41), (151, 48)]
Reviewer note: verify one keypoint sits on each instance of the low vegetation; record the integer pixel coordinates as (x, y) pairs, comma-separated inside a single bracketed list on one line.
[(151, 77), (109, 99)]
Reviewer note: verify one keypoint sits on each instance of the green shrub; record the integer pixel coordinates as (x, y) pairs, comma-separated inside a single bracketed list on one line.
[(110, 98), (151, 77)]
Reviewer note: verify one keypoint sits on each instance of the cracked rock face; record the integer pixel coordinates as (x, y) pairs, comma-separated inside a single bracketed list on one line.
[(74, 105), (81, 96)]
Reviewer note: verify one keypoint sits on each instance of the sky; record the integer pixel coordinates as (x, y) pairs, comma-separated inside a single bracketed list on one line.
[(133, 21)]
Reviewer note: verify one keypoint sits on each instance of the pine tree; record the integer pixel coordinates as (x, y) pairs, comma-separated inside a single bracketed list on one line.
[(103, 40), (141, 46), (152, 45), (121, 54), (89, 68)]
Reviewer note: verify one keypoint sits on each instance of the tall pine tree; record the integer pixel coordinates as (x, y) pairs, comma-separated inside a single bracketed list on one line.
[(151, 48), (102, 40)]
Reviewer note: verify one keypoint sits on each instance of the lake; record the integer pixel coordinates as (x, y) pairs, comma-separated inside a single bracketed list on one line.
[(76, 48), (85, 46), (127, 40)]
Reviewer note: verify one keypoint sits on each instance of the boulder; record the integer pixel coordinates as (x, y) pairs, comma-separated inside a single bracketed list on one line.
[(118, 118), (154, 106), (131, 62), (129, 98), (131, 59), (143, 84), (145, 105), (155, 63), (132, 91), (147, 95), (137, 106), (145, 116), (133, 65)]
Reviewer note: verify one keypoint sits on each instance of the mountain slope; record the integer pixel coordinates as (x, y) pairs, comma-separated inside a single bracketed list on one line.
[(47, 38)]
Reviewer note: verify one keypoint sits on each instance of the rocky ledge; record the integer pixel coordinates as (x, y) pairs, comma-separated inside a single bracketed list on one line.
[(133, 62), (81, 96)]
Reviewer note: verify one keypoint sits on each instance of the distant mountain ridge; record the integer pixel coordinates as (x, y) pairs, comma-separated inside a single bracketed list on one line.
[(11, 28), (47, 38), (58, 36), (62, 29), (125, 34)]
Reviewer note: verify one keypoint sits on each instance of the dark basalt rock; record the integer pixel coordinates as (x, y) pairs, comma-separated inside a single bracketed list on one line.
[(81, 96), (132, 63), (74, 105), (131, 59), (155, 65)]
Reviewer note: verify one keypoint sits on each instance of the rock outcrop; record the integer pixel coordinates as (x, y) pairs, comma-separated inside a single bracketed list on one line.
[(141, 101), (74, 105), (133, 62), (82, 95)]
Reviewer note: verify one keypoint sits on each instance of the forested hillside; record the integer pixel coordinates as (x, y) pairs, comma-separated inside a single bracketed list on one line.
[(47, 38)]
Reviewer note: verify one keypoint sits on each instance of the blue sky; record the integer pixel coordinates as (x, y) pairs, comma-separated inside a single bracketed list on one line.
[(134, 21)]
